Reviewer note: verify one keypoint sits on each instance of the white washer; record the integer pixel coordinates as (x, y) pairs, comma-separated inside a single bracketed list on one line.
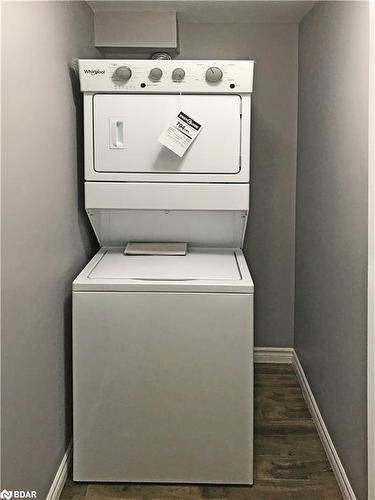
[(163, 345)]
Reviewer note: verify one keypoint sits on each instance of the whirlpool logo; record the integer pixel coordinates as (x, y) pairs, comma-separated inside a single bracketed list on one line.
[(7, 494), (94, 72)]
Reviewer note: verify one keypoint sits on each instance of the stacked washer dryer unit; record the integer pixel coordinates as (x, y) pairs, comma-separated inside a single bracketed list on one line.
[(163, 344)]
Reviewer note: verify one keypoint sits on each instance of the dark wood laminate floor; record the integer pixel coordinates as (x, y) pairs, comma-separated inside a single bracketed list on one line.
[(289, 463)]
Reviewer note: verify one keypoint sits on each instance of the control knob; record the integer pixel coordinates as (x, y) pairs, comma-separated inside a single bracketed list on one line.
[(214, 75), (122, 74), (155, 74), (178, 74)]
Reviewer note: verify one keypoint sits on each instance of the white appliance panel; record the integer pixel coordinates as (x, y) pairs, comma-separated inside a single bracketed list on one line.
[(197, 264), (163, 387), (166, 196), (127, 127), (212, 228), (213, 270), (199, 214), (99, 75)]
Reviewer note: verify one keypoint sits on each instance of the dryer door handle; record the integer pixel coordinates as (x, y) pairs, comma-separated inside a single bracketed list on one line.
[(116, 134)]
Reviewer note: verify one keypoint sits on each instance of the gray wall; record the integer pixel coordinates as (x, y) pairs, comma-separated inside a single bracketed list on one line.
[(331, 228), (270, 242), (45, 237)]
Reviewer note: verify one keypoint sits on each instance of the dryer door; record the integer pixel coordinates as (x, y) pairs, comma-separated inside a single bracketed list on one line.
[(127, 127)]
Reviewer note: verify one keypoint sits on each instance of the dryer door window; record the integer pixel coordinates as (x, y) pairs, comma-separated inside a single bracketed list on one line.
[(127, 127)]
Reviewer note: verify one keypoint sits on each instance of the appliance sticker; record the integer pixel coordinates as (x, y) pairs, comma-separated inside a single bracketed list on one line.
[(180, 134)]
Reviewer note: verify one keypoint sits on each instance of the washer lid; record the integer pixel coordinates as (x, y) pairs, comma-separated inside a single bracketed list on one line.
[(197, 264)]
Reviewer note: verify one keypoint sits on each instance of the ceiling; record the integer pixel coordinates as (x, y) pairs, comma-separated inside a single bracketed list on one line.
[(215, 11)]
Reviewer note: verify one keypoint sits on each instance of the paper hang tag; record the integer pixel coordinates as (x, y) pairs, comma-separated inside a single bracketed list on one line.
[(179, 135)]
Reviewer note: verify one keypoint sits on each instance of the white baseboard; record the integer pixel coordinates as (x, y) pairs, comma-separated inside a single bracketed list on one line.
[(61, 475), (334, 460), (273, 355)]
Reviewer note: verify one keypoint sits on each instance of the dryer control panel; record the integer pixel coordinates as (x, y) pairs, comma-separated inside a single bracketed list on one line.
[(158, 76)]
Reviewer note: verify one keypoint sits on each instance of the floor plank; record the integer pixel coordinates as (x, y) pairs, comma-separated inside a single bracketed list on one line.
[(289, 462)]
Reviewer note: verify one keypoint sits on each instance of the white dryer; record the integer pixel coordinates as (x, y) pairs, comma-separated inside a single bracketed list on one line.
[(163, 344)]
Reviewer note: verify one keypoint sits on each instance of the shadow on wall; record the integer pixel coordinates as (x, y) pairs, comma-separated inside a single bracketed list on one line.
[(269, 238), (83, 221)]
